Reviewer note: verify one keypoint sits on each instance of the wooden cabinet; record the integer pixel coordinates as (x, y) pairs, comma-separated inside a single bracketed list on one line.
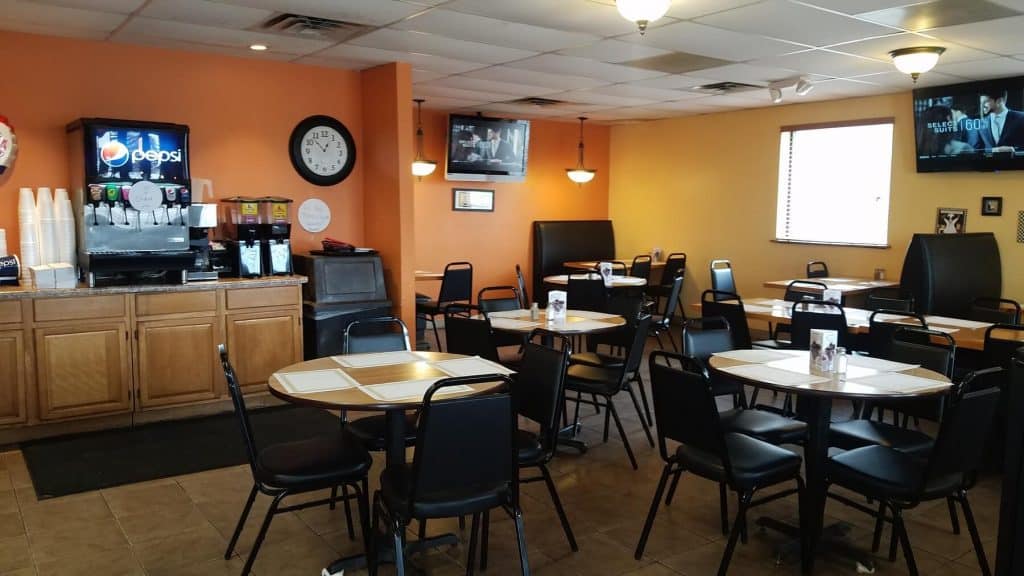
[(178, 361), (12, 377), (262, 343), (83, 370)]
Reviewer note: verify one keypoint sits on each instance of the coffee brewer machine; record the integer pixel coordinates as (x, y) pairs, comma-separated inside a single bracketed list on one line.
[(256, 235), (275, 235), (131, 192)]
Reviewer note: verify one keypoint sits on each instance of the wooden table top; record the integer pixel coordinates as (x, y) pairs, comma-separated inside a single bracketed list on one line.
[(592, 264), (355, 398), (616, 282), (425, 275), (576, 322), (854, 386), (846, 285)]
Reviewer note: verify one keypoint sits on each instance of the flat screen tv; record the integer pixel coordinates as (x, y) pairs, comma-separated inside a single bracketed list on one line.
[(970, 126), (482, 149)]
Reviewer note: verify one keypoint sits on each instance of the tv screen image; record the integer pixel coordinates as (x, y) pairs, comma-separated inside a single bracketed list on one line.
[(487, 149), (131, 151), (970, 126)]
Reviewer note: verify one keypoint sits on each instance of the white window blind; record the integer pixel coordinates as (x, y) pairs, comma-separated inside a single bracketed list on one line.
[(834, 183)]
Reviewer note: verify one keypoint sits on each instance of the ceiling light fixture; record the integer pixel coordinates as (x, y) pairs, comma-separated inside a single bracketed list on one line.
[(420, 166), (258, 47), (916, 60), (579, 174), (803, 87), (775, 94), (643, 12)]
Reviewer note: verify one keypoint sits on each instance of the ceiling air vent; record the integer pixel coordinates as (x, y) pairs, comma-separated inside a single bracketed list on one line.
[(312, 27), (726, 88), (535, 101)]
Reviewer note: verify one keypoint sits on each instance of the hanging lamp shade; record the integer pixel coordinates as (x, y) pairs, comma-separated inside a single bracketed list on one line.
[(420, 166), (580, 174), (642, 12), (917, 60)]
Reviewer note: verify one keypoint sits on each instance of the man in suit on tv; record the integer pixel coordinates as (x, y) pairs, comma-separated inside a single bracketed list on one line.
[(494, 148), (1004, 128)]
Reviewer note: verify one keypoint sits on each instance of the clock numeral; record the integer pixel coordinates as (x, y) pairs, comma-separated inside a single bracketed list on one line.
[(309, 141)]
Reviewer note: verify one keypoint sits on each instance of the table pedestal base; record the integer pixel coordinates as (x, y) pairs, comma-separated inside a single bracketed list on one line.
[(386, 552), (569, 436), (834, 542)]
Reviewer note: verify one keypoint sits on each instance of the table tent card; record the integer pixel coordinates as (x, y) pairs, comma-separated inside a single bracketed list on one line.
[(832, 295), (823, 351), (558, 303), (605, 268)]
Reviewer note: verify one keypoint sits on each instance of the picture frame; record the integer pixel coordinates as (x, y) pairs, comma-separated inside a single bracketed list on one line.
[(951, 221), (992, 206), (472, 200)]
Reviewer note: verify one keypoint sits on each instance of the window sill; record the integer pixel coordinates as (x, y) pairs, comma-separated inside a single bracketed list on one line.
[(844, 244)]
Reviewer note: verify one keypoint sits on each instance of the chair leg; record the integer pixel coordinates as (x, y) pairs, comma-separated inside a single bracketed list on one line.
[(876, 540), (901, 528), (649, 522), (462, 523), (371, 559), (262, 533), (972, 527), (622, 434), (597, 406), (607, 424), (893, 538), (334, 498), (348, 513), (473, 535), (643, 398), (657, 337), (723, 505), (241, 522), (524, 563), (672, 341), (672, 487), (437, 336), (485, 536), (734, 534), (422, 532), (951, 503), (558, 508), (396, 537), (364, 518)]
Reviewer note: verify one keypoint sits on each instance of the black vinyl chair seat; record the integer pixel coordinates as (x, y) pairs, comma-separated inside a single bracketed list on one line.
[(531, 450), (860, 432), (371, 431), (597, 359), (754, 462), (320, 461), (428, 307), (879, 471), (767, 426), (587, 378), (396, 486)]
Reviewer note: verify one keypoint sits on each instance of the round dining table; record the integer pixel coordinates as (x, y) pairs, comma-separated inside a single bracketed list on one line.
[(575, 322), (615, 282), (866, 379)]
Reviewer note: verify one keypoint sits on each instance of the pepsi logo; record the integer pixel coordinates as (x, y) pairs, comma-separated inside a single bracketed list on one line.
[(114, 154)]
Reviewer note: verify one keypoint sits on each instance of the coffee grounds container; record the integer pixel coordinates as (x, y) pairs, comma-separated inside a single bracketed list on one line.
[(242, 236), (275, 234)]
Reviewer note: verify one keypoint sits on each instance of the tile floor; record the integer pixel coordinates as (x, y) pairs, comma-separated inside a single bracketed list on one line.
[(179, 526)]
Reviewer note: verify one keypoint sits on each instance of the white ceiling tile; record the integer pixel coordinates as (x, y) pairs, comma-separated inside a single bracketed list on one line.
[(558, 64), (696, 8), (420, 75), (428, 91), (206, 13), (589, 97), (342, 63), (560, 81), (140, 29), (696, 105), (116, 6), (794, 22), (715, 42), (371, 12), (422, 61), (615, 51), (1001, 36), (879, 48), (49, 30), (407, 41), (485, 30), (189, 46), (574, 15), (859, 6), (759, 75), (522, 110), (982, 69), (1012, 4), (629, 113), (631, 91), (826, 63), (466, 83), (450, 104), (17, 13), (674, 82)]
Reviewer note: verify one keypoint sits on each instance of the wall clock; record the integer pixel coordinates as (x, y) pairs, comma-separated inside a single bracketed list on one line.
[(322, 150)]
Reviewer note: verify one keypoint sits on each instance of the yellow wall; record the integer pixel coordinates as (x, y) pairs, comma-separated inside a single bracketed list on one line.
[(707, 185)]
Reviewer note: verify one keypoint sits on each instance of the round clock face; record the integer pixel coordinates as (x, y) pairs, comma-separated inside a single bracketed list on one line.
[(322, 150)]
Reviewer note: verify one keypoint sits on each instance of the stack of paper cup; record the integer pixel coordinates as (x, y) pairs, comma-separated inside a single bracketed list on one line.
[(48, 243), (3, 242), (65, 227), (27, 227)]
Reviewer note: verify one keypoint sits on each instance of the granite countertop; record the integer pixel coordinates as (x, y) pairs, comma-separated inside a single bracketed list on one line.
[(29, 291)]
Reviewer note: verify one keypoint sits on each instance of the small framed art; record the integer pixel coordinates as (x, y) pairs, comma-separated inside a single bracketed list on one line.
[(992, 206), (472, 200), (951, 221)]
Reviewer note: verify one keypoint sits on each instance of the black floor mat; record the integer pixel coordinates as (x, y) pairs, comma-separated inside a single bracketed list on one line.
[(84, 462)]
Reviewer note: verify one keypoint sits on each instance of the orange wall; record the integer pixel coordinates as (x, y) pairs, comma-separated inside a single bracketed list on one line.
[(496, 241), (241, 112)]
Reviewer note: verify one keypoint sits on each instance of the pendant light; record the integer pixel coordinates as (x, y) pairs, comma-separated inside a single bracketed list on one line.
[(579, 174), (643, 12), (917, 60), (420, 166)]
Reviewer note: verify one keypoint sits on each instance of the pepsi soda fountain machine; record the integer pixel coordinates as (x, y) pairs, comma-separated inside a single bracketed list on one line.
[(131, 192)]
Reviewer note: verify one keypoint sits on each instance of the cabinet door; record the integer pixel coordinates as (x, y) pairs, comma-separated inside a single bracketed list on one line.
[(260, 344), (12, 377), (83, 370), (178, 361)]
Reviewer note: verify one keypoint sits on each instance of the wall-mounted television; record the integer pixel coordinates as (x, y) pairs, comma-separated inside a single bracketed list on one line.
[(482, 149), (970, 126)]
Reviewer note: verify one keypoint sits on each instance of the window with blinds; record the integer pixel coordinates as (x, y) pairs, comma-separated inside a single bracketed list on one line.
[(834, 183)]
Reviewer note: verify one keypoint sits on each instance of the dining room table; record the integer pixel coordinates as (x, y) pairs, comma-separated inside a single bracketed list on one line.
[(593, 264), (789, 371), (848, 286), (389, 382), (614, 282)]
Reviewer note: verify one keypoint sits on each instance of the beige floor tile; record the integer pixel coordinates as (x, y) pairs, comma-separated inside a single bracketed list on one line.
[(11, 524), (161, 522), (8, 501), (78, 539), (56, 513), (195, 546), (653, 570), (303, 554), (14, 554), (216, 567), (224, 517), (113, 563), (226, 484), (138, 498)]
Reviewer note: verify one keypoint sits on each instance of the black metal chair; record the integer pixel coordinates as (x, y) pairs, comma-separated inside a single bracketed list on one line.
[(808, 315), (881, 327), (703, 337), (817, 269), (687, 414), (901, 481), (587, 292), (728, 305), (291, 468), (722, 279), (465, 463), (469, 332), (603, 383), (796, 291), (662, 324), (675, 265), (500, 299), (641, 267), (889, 299), (456, 286), (524, 300), (996, 310)]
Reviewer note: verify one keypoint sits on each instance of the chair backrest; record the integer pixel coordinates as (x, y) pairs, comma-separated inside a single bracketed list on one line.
[(498, 298), (1001, 342), (386, 334), (798, 290), (619, 268), (641, 267), (996, 310), (675, 265), (817, 269), (810, 315), (672, 302), (889, 299), (722, 279), (457, 283), (239, 401), (586, 292), (684, 405), (524, 300), (468, 333), (931, 349), (465, 445), (540, 383), (728, 305), (881, 329), (705, 336), (960, 444)]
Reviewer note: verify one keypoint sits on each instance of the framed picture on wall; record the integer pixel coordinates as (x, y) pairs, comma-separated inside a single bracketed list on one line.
[(951, 221), (992, 206), (472, 200)]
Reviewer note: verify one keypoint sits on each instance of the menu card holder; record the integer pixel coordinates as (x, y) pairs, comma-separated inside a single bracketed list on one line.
[(823, 351), (605, 268), (558, 303)]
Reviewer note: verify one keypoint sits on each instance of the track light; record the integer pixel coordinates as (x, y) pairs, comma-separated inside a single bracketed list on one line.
[(803, 87), (775, 94)]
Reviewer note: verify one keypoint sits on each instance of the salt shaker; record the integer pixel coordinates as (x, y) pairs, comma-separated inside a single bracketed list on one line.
[(841, 363), (534, 311)]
